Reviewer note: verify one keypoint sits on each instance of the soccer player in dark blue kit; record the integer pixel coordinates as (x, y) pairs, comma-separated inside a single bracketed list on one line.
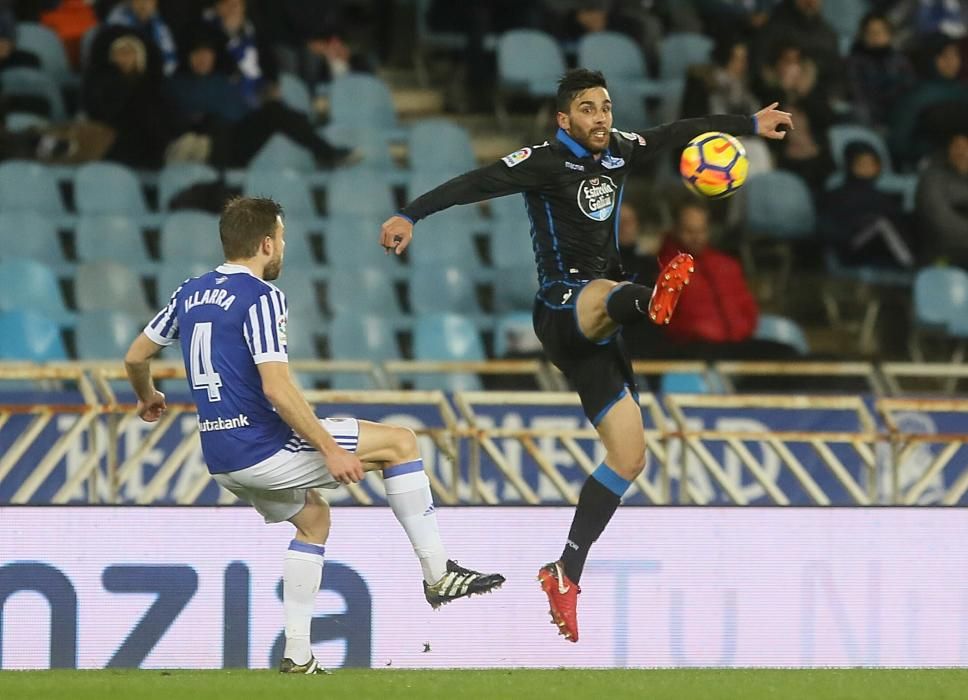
[(261, 439), (572, 187)]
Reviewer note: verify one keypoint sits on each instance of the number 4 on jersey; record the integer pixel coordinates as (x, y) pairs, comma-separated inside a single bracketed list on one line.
[(204, 375)]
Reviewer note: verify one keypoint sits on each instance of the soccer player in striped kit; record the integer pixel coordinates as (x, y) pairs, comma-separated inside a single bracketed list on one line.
[(260, 437)]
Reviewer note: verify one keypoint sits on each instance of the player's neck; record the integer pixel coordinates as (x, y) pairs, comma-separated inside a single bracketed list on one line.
[(254, 266)]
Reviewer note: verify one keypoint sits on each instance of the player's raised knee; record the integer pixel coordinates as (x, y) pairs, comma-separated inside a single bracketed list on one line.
[(405, 444)]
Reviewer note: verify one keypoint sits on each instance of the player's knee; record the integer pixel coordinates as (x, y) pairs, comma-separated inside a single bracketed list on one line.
[(314, 521), (630, 463), (405, 445)]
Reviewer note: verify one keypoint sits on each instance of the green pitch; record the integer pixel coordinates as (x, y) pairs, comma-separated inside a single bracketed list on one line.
[(701, 684)]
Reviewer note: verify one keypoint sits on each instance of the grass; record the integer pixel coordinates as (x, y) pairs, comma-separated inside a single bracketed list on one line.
[(360, 684)]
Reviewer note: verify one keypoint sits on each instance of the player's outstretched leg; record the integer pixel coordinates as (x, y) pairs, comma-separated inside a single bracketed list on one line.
[(631, 303), (622, 434), (302, 573), (396, 450)]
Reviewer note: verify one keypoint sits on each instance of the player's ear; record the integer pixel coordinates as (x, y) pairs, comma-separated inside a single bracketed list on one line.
[(564, 121)]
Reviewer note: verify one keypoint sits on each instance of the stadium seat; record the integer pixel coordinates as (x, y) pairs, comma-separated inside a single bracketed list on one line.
[(108, 188), (367, 336), (299, 247), (282, 153), (22, 121), (28, 186), (365, 290), (440, 145), (842, 135), (287, 187), (178, 177), (616, 55), (303, 303), (353, 242), (357, 193), (435, 288), (47, 46), (191, 236), (779, 205), (680, 50), (940, 296), (514, 332), (845, 16), (295, 94), (447, 337), (29, 336), (369, 144), (466, 216), (104, 335), (28, 284), (112, 237), (428, 39), (782, 330), (359, 100), (169, 277), (511, 237), (447, 238), (515, 287), (684, 383), (529, 61), (107, 285), (33, 82), (30, 234)]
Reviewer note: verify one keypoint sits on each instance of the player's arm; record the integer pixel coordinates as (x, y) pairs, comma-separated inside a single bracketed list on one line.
[(137, 365), (767, 123), (292, 407), (512, 174)]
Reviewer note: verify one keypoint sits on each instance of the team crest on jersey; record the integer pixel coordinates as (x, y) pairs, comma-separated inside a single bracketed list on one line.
[(281, 324), (596, 197), (632, 136), (519, 156)]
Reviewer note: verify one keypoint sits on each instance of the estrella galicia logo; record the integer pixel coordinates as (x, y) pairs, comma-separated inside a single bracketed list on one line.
[(596, 197)]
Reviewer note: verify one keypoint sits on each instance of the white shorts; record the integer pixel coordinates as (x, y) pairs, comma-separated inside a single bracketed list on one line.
[(277, 485)]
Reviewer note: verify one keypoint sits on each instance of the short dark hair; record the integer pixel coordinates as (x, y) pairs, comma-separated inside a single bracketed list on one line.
[(575, 82), (690, 203), (245, 221)]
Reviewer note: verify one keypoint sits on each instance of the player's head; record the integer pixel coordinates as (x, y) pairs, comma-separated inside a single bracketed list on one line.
[(585, 108), (692, 227), (251, 230)]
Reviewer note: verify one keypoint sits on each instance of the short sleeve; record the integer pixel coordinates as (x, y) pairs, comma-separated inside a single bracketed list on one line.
[(163, 328), (264, 328)]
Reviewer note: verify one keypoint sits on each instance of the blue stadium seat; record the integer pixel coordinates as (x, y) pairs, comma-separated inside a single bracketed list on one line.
[(191, 236), (368, 143), (28, 284), (47, 46), (30, 336), (514, 332), (844, 16), (302, 302), (940, 296), (177, 177), (435, 288), (841, 135), (299, 247), (30, 234), (447, 337), (680, 50), (106, 335), (684, 383), (28, 186), (529, 61), (111, 237), (295, 94), (357, 193), (466, 216), (447, 238), (108, 188), (440, 145), (782, 330), (287, 187), (359, 100), (170, 275), (779, 205), (107, 285), (282, 153), (353, 242), (34, 82), (361, 290), (515, 287), (22, 121), (362, 336), (511, 239), (614, 54)]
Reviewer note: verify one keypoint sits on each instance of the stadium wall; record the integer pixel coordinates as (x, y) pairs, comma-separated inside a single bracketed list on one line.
[(160, 587)]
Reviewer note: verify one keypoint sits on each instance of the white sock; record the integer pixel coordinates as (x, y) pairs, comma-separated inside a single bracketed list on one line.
[(408, 493), (302, 573)]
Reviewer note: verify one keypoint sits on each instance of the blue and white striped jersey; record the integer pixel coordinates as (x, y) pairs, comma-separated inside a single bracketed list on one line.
[(229, 321)]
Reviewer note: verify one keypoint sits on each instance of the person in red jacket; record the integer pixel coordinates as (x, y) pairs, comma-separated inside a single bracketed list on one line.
[(717, 314)]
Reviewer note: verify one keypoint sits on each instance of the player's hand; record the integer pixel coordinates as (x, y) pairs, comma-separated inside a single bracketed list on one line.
[(770, 119), (344, 466), (396, 234), (151, 410)]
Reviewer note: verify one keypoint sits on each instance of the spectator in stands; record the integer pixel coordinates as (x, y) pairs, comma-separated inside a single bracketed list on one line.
[(636, 251), (717, 313), (253, 62), (921, 18), (122, 88), (723, 86), (791, 79), (71, 20), (328, 55), (725, 19), (864, 225), (143, 16), (942, 204), (878, 73), (801, 22), (938, 104), (218, 123), (10, 55)]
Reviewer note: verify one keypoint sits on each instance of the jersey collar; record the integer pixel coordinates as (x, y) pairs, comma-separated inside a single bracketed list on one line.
[(232, 269), (576, 148)]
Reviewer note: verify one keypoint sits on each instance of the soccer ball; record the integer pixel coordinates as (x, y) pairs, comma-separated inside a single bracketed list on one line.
[(714, 165)]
